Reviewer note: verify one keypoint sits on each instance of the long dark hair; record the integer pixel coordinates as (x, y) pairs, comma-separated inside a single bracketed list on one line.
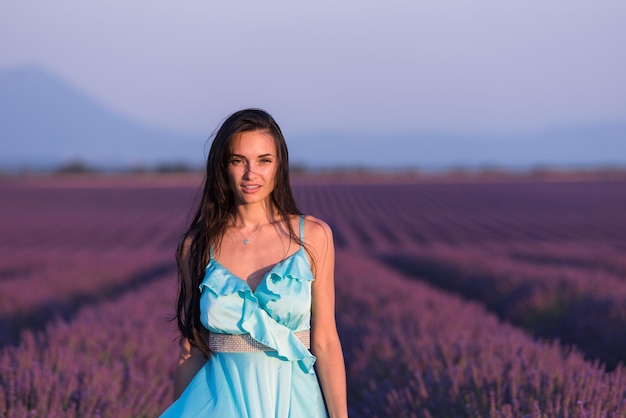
[(216, 208)]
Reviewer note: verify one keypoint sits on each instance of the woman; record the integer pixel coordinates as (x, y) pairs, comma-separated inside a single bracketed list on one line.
[(256, 289)]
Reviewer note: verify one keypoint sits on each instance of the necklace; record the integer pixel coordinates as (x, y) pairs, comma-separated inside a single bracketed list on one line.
[(246, 241)]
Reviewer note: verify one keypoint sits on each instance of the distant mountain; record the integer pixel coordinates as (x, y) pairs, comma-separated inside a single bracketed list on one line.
[(586, 146), (45, 122)]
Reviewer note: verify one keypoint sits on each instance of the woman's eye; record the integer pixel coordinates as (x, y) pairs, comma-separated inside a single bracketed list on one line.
[(236, 161), (266, 161)]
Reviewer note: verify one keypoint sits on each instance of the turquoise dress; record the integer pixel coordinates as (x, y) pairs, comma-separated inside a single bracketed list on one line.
[(279, 383)]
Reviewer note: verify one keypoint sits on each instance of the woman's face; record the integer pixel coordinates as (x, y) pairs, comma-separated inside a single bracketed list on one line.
[(252, 167)]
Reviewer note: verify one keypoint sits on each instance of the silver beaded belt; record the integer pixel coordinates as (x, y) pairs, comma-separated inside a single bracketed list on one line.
[(244, 343)]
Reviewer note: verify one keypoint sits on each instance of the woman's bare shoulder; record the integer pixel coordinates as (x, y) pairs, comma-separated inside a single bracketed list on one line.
[(316, 231)]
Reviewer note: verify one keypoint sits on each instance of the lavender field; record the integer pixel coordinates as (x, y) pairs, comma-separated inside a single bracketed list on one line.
[(502, 298)]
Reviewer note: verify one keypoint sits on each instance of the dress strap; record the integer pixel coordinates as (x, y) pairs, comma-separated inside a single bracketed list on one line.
[(301, 231), (211, 252)]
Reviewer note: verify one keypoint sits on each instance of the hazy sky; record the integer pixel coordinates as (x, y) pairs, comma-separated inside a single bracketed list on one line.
[(471, 67)]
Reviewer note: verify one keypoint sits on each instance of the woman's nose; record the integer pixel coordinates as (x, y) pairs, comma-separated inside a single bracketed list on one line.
[(250, 171)]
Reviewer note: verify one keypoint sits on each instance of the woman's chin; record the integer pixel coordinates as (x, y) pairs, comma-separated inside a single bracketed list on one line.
[(251, 199)]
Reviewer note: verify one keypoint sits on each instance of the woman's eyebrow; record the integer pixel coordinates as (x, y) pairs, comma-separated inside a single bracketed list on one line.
[(260, 156)]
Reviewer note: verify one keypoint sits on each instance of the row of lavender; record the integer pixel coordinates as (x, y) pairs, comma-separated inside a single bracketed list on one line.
[(81, 333), (545, 256), (488, 216), (62, 247), (491, 216), (110, 360), (411, 351), (578, 306)]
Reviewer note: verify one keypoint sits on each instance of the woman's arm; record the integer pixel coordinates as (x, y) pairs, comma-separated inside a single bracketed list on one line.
[(190, 359), (326, 346)]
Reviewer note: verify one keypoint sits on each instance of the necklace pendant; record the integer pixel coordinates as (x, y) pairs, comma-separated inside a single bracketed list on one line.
[(246, 242)]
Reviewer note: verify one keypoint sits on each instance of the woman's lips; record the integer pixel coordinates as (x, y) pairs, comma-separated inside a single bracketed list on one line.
[(251, 188)]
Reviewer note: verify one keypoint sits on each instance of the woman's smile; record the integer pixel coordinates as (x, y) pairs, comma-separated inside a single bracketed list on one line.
[(251, 188)]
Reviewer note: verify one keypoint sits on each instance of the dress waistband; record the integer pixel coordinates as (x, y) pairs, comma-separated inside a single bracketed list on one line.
[(244, 343)]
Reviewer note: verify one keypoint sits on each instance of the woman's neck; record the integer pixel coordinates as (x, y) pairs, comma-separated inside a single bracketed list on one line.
[(254, 216)]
